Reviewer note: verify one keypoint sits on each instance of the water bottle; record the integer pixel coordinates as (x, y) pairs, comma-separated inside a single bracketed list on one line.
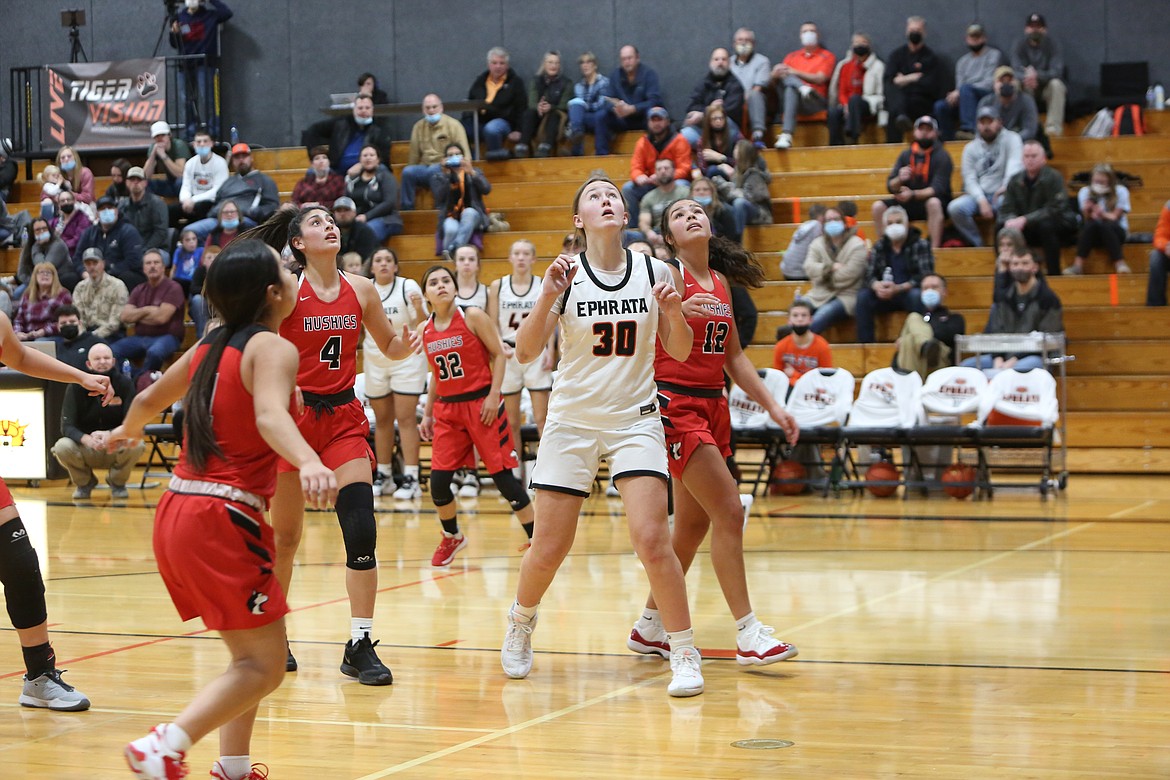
[(126, 368), (796, 295), (1150, 96), (1159, 97), (235, 135), (888, 275)]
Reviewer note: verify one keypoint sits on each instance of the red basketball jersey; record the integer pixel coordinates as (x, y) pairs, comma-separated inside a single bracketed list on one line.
[(459, 361), (704, 367), (248, 463), (327, 336)]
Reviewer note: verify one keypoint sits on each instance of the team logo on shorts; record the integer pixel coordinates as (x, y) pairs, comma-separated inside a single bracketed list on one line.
[(675, 448), (256, 602)]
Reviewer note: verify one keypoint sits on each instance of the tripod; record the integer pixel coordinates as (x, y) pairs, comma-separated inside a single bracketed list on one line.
[(76, 52)]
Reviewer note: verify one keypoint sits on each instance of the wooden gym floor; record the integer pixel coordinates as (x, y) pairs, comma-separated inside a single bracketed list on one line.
[(943, 639)]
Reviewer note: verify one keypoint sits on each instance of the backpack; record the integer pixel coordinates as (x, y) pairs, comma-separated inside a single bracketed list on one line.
[(1100, 126), (1128, 120)]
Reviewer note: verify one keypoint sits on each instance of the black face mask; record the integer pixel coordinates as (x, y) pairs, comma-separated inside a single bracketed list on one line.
[(70, 332), (800, 330), (976, 47), (914, 37), (1022, 277), (1007, 90), (67, 208), (861, 51), (925, 143)]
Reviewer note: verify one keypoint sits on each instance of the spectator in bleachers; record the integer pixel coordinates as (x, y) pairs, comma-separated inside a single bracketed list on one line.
[(253, 192), (920, 181), (719, 87), (8, 172), (716, 147), (196, 31), (719, 214), (321, 185), (144, 210), (367, 84), (914, 80), (897, 264), (118, 170), (73, 340), (459, 192), (168, 157), (155, 309), (86, 421), (346, 136), (989, 163), (5, 300), (1039, 66), (36, 316), (927, 341), (802, 81), (70, 222), (52, 185), (429, 139), (975, 75), (1028, 304), (856, 91), (42, 246), (197, 305), (119, 241), (1017, 110), (1035, 204), (548, 108), (836, 265), (78, 179), (660, 142), (754, 72), (375, 194), (203, 175), (227, 227), (667, 189), (187, 257), (100, 297), (792, 261), (503, 90), (589, 106), (1159, 263), (1104, 206), (636, 91), (355, 236), (747, 190), (801, 350)]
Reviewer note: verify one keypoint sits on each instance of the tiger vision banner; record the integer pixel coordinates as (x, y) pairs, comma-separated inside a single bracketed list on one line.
[(92, 105)]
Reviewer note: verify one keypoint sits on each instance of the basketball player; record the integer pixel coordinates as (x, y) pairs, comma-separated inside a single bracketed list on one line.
[(510, 300), (20, 570), (611, 305), (469, 292), (393, 386), (463, 408), (326, 326), (213, 546), (698, 428)]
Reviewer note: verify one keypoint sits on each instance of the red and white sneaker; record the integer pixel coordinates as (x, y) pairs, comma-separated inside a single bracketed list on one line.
[(649, 640), (445, 552), (757, 647), (150, 757), (258, 772)]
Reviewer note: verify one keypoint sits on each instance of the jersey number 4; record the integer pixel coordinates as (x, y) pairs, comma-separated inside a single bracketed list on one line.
[(331, 352), (615, 338), (715, 337), (449, 366)]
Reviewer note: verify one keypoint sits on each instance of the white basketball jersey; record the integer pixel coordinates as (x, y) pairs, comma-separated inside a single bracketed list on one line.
[(478, 298), (396, 303), (1022, 395), (513, 307), (821, 397), (888, 398), (954, 390), (609, 324)]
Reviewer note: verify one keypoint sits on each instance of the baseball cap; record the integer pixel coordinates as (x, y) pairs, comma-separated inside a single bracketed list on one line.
[(241, 148), (136, 173), (1035, 20), (1004, 70), (975, 28), (344, 203), (160, 128), (93, 253), (656, 112), (106, 200), (987, 111), (926, 119)]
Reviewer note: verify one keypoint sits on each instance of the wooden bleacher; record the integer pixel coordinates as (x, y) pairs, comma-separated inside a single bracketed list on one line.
[(1118, 388)]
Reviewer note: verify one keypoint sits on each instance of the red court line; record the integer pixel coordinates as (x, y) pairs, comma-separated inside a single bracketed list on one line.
[(710, 653), (448, 644)]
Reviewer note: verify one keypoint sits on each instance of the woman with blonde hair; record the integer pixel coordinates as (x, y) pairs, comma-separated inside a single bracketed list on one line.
[(36, 317), (78, 178), (1104, 207)]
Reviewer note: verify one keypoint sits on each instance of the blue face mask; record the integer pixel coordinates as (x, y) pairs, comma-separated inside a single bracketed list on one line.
[(931, 298), (68, 166), (703, 200), (107, 216), (834, 228), (230, 224), (203, 151), (454, 161), (363, 121), (433, 118), (43, 237)]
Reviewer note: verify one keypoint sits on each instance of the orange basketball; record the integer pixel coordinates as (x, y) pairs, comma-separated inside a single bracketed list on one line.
[(882, 471), (788, 479), (958, 472)]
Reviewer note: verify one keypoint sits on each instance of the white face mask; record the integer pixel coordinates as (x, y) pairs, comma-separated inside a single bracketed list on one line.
[(1099, 189), (193, 5), (808, 38), (896, 231)]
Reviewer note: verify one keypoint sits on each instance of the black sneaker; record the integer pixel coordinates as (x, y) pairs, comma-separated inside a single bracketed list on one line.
[(290, 664), (362, 662)]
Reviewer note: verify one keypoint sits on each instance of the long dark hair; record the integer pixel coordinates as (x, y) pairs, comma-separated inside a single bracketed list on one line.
[(237, 287), (723, 255), (280, 229)]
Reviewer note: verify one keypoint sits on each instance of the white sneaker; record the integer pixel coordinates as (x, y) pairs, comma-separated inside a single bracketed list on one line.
[(649, 640), (756, 646), (686, 665), (51, 692), (469, 491), (380, 481), (805, 90), (257, 772), (611, 490), (409, 489), (784, 141), (516, 655), (150, 757), (746, 499)]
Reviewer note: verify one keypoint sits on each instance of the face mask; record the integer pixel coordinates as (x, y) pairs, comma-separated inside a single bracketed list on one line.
[(68, 166), (433, 119), (800, 330), (43, 238), (1022, 276), (70, 332), (861, 52), (107, 216), (808, 38), (1099, 189), (896, 231), (192, 6), (363, 121), (1036, 37), (454, 161), (203, 151), (744, 50), (230, 224), (914, 37), (834, 228), (1007, 90), (931, 298), (925, 143), (976, 47), (67, 208), (703, 200)]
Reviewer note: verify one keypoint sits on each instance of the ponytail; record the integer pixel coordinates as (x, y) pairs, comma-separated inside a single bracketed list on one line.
[(733, 261), (199, 434), (280, 229)]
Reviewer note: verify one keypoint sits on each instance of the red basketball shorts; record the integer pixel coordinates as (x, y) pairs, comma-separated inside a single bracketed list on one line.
[(337, 438), (690, 421), (459, 433)]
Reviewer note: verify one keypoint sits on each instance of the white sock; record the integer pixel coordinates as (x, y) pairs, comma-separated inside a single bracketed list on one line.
[(411, 471), (236, 767), (747, 621), (680, 639), (360, 627), (175, 738), (649, 617), (524, 612), (386, 470)]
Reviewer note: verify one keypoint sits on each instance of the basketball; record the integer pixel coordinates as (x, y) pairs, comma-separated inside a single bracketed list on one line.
[(793, 475), (882, 471), (958, 473)]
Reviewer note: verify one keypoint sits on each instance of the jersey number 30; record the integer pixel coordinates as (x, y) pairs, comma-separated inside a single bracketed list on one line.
[(449, 366), (615, 338), (331, 352)]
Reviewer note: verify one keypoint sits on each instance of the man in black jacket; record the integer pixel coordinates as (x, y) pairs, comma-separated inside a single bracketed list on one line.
[(345, 136), (503, 90), (1035, 204), (74, 341), (721, 86), (144, 210), (355, 236), (119, 242), (914, 80)]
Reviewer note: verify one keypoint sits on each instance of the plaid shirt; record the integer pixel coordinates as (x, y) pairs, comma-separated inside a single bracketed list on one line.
[(35, 315)]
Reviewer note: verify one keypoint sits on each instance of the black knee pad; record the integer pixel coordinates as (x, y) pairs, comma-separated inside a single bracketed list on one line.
[(359, 529), (20, 572), (511, 489), (440, 483)]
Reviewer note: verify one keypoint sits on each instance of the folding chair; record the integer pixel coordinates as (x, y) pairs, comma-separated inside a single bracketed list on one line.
[(751, 425)]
